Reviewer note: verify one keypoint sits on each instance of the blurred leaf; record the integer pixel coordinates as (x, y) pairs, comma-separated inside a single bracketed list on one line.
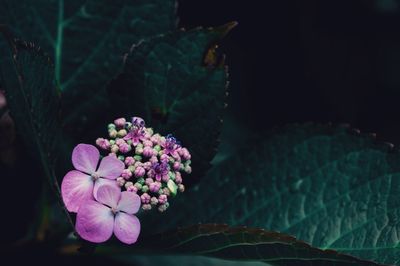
[(328, 186), (27, 76), (239, 243), (87, 40), (178, 84)]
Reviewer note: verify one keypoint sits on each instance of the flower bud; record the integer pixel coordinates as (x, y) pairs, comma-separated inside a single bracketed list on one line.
[(155, 187), (145, 198), (120, 122), (178, 178), (153, 201), (147, 143), (145, 188), (140, 172), (147, 152), (137, 158), (148, 181), (122, 133), (128, 184), (188, 169), (181, 188), (126, 174), (162, 199), (114, 148), (110, 126), (164, 158), (132, 189), (112, 133), (162, 208), (146, 207), (120, 181), (103, 143), (129, 161), (176, 166)]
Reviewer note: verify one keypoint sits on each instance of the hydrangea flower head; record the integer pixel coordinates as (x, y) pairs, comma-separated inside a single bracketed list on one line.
[(147, 156), (113, 212), (82, 184)]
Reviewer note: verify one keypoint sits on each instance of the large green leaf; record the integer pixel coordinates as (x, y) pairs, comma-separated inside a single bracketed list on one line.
[(327, 186), (27, 76), (178, 84), (87, 40), (238, 243)]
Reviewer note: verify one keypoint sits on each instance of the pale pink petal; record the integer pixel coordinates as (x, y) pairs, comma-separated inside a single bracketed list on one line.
[(126, 227), (110, 167), (129, 202), (94, 222), (76, 188), (101, 182), (85, 158), (109, 195)]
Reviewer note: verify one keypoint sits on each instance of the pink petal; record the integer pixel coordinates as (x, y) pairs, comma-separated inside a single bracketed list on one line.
[(110, 167), (126, 227), (101, 182), (85, 158), (129, 202), (94, 222), (109, 195), (76, 188)]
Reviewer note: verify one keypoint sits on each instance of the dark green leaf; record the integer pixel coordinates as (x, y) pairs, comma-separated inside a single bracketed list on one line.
[(178, 84), (239, 243), (329, 187), (87, 40), (27, 76)]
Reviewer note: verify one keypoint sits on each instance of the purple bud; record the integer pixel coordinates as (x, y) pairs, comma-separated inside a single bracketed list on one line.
[(103, 143), (177, 166), (147, 166), (132, 189), (145, 198), (129, 161), (147, 143), (140, 172), (147, 152), (124, 148), (153, 160), (155, 187), (120, 122), (148, 181), (126, 174), (162, 199), (164, 158), (120, 181), (178, 178)]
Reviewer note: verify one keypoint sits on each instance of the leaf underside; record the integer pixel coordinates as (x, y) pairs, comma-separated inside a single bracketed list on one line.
[(328, 186), (237, 243), (178, 84)]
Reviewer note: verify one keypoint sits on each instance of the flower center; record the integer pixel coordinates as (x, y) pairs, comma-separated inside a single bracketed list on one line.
[(114, 210), (95, 176)]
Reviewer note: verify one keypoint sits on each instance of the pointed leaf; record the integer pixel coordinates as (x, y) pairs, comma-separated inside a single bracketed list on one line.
[(178, 84), (237, 243), (327, 186), (86, 40)]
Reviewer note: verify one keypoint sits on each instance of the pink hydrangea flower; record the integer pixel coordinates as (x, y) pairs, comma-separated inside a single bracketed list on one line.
[(82, 184), (170, 145), (113, 212)]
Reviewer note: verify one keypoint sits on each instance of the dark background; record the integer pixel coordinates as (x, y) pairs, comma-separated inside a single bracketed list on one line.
[(291, 61), (313, 60)]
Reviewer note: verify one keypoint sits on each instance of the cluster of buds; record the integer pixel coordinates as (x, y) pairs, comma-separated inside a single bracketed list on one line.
[(154, 164)]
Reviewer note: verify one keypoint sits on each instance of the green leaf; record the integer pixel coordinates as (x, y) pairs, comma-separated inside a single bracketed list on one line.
[(87, 40), (27, 76), (328, 186), (178, 84), (236, 243)]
